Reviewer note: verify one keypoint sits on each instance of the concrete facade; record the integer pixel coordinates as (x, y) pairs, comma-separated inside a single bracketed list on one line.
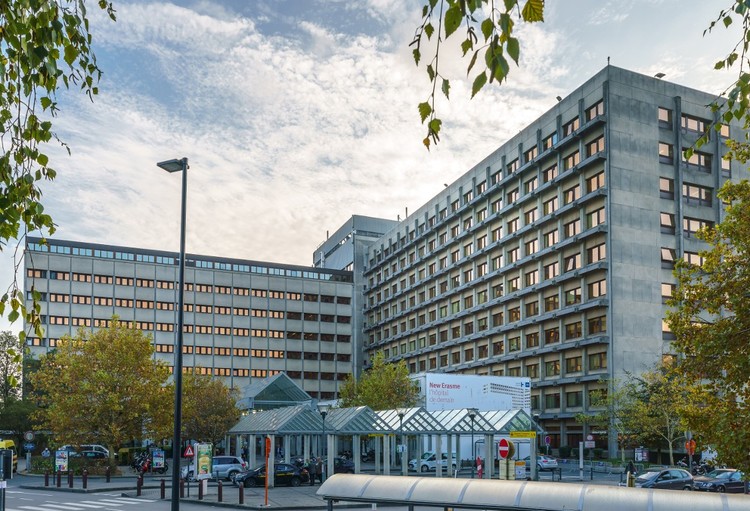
[(553, 256), (244, 320)]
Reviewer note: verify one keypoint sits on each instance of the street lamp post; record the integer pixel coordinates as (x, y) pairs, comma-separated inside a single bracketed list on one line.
[(177, 166), (472, 414), (323, 409), (401, 435)]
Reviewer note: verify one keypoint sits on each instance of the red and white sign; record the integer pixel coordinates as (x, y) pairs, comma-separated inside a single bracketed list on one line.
[(503, 448), (188, 452)]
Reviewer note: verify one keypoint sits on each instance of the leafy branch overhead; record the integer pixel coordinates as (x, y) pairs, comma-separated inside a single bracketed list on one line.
[(45, 46), (493, 22)]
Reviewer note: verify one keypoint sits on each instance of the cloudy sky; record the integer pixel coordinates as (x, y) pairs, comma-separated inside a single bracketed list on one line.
[(296, 114)]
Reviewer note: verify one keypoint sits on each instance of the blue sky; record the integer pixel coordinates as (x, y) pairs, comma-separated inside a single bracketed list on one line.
[(296, 114)]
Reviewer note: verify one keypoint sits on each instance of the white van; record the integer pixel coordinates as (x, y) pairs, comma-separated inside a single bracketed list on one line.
[(75, 451), (427, 462)]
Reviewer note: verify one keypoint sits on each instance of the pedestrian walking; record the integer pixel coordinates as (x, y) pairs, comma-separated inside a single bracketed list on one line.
[(319, 469), (45, 453), (311, 470)]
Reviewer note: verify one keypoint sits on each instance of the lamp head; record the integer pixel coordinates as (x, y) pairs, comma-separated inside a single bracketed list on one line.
[(173, 165)]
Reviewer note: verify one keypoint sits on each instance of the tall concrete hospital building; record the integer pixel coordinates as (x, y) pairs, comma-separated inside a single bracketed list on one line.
[(551, 258)]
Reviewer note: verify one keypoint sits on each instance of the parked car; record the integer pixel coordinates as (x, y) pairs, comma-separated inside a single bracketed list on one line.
[(222, 467), (75, 451), (666, 479), (543, 462), (284, 474), (92, 455), (726, 481), (427, 462), (342, 465)]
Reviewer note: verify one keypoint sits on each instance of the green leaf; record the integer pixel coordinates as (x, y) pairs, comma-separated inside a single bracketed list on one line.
[(429, 30), (727, 21), (472, 62), (431, 72), (487, 28), (719, 65), (42, 160), (424, 110), (417, 55), (446, 88), (13, 316), (513, 49), (479, 82), (510, 4), (434, 127), (533, 11), (71, 53), (452, 20), (466, 46)]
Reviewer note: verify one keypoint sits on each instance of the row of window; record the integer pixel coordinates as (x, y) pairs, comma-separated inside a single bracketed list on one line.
[(35, 245), (568, 160)]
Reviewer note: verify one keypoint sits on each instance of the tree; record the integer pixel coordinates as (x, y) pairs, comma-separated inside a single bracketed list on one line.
[(710, 318), (208, 408), (384, 386), (103, 387), (658, 404), (10, 367), (616, 405), (45, 46), (442, 18)]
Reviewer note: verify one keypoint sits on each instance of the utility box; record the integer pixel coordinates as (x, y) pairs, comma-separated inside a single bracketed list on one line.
[(6, 463)]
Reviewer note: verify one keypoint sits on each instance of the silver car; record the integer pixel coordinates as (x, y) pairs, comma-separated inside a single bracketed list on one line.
[(222, 467)]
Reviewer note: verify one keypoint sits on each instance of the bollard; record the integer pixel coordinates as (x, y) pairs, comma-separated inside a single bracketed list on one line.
[(182, 488), (219, 491), (85, 479), (46, 477), (108, 473), (164, 489), (59, 478), (242, 492), (70, 478), (200, 490), (139, 485)]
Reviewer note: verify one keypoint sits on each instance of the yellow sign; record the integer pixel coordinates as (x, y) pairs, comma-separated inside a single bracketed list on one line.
[(523, 434)]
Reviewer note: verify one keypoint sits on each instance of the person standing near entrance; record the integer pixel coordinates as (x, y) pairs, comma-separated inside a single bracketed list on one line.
[(311, 470), (319, 469)]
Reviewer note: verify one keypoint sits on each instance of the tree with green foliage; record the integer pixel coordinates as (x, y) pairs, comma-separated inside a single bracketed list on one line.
[(45, 47), (494, 21), (710, 318), (103, 387), (10, 367), (209, 408), (383, 386), (659, 398), (614, 409)]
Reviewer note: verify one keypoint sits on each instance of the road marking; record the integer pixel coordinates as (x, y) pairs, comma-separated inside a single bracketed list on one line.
[(68, 507), (101, 504), (89, 506), (135, 501)]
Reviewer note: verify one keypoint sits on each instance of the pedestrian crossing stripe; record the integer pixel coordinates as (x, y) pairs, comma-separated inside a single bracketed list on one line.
[(68, 507), (87, 506), (105, 503)]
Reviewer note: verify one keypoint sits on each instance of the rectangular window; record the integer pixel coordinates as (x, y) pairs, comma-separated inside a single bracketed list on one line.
[(595, 146), (666, 153), (697, 195), (698, 161), (550, 173), (574, 399), (550, 206), (551, 303), (572, 194), (570, 127), (666, 220), (513, 255), (595, 110), (595, 218), (598, 361), (549, 141), (530, 154), (572, 228), (532, 371), (665, 117), (551, 270), (597, 289), (514, 344), (666, 188), (512, 225), (573, 296), (571, 160), (514, 314), (552, 368), (692, 225), (531, 246), (552, 400), (694, 124), (595, 182), (573, 365), (513, 284), (550, 238), (532, 340), (511, 196), (512, 167), (552, 335), (596, 253), (531, 278), (530, 185), (693, 258), (572, 262), (598, 325), (532, 309), (573, 331), (530, 216), (498, 348)]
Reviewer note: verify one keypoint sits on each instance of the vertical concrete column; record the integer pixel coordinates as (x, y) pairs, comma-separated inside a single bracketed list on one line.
[(489, 457), (378, 450), (238, 445), (386, 454), (439, 455), (357, 453), (287, 446), (306, 448), (331, 448), (451, 460)]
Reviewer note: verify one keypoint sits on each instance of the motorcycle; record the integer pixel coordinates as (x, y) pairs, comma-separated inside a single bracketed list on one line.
[(702, 468), (143, 463), (369, 455)]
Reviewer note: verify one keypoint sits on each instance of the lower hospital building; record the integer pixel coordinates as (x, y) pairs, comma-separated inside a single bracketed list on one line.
[(551, 259)]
